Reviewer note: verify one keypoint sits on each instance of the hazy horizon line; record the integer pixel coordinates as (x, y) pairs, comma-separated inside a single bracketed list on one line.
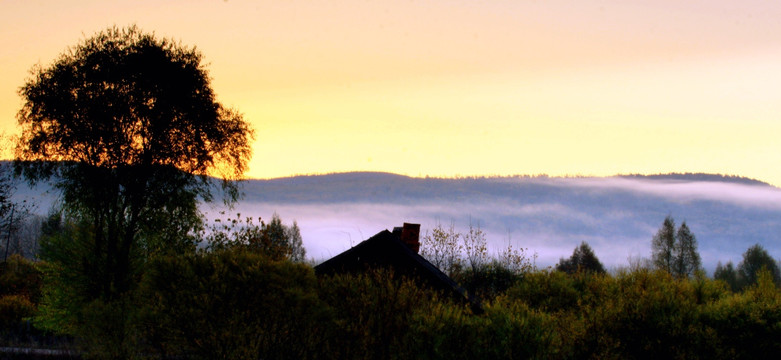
[(516, 176)]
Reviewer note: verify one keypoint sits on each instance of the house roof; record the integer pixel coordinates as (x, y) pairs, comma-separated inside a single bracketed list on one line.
[(386, 250)]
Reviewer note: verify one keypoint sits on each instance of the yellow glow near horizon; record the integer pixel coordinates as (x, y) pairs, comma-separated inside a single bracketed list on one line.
[(448, 88)]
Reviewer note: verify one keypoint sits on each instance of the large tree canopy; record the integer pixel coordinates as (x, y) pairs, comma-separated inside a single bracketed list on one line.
[(127, 126), (124, 97)]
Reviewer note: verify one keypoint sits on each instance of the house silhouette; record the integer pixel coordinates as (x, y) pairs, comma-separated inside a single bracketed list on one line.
[(397, 251)]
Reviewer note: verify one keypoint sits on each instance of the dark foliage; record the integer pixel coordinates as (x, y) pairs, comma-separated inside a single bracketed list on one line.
[(663, 246), (20, 290), (729, 275), (128, 128), (674, 251), (582, 259), (756, 259), (5, 192), (687, 259), (272, 239), (231, 304), (487, 281)]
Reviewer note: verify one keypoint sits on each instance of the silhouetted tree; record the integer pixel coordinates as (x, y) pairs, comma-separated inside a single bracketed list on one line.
[(443, 248), (14, 215), (475, 247), (297, 251), (663, 246), (727, 274), (675, 251), (273, 239), (687, 260), (5, 210), (755, 259), (5, 181), (582, 259), (127, 127), (5, 192)]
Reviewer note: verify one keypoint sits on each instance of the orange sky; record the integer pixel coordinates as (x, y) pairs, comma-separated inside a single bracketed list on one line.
[(449, 88)]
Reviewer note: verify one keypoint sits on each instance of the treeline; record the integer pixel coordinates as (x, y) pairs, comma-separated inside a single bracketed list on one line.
[(246, 302)]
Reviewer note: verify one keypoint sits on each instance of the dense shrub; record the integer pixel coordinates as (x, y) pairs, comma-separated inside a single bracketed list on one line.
[(745, 325), (549, 291), (646, 314), (378, 316), (373, 314), (506, 330), (629, 315), (487, 281), (14, 308), (230, 305), (20, 291), (104, 329), (20, 276)]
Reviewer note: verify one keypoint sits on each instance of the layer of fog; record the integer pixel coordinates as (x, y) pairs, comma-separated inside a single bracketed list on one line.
[(616, 216), (548, 216)]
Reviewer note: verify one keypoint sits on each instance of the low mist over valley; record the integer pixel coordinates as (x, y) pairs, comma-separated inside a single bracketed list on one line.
[(548, 216)]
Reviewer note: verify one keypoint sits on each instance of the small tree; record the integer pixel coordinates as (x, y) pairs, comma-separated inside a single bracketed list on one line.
[(728, 275), (274, 239), (582, 259), (13, 215), (755, 259), (516, 260), (687, 260), (443, 248), (475, 246), (297, 251), (5, 193), (663, 246), (674, 251)]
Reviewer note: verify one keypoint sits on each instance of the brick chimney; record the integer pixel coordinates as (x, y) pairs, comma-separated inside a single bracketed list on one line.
[(410, 236)]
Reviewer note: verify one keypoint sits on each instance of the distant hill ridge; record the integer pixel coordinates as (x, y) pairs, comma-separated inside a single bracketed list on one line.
[(394, 188), (388, 176), (380, 175), (699, 177)]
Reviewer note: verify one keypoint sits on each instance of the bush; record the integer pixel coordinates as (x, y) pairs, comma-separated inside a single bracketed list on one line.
[(746, 325), (20, 276), (487, 281), (230, 305), (549, 291), (13, 309), (373, 314), (379, 316), (646, 314), (105, 330), (507, 330), (636, 314), (20, 291)]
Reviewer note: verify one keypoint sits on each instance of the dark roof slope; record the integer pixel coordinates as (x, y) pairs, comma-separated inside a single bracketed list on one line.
[(386, 250)]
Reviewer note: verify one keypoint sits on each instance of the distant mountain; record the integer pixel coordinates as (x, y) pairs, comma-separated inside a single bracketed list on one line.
[(387, 187)]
